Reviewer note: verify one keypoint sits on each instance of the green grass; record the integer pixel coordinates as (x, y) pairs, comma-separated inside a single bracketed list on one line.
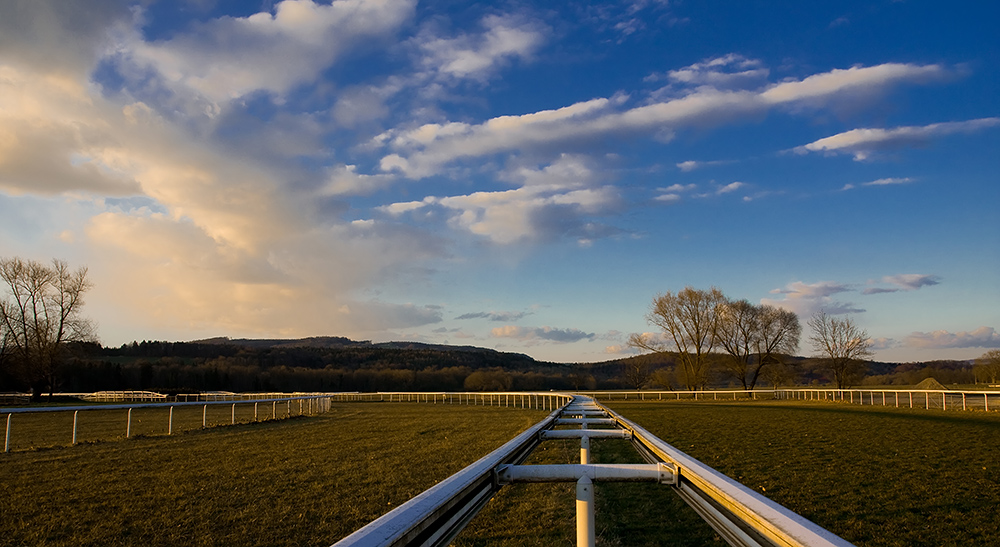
[(875, 476), (304, 481), (50, 429)]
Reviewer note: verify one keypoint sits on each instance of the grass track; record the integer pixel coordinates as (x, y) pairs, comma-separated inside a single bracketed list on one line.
[(874, 476), (307, 481)]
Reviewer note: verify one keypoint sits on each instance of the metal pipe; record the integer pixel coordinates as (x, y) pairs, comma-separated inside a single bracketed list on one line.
[(170, 422), (128, 426), (75, 413), (585, 530), (605, 472), (6, 444), (578, 433)]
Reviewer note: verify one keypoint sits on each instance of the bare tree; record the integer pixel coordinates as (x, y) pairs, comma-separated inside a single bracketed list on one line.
[(987, 367), (40, 313), (636, 371), (842, 344), (688, 320), (755, 337)]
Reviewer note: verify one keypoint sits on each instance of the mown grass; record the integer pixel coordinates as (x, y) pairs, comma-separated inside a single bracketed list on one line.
[(50, 429), (874, 476), (305, 481)]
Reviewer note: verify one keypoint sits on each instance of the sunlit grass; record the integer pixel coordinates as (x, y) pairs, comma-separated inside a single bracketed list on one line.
[(875, 476), (306, 481)]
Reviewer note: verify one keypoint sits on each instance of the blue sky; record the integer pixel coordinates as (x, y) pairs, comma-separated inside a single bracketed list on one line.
[(522, 176)]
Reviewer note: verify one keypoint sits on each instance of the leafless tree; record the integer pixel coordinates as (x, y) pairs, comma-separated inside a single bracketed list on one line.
[(40, 312), (843, 346), (688, 321), (636, 372), (755, 337), (987, 367)]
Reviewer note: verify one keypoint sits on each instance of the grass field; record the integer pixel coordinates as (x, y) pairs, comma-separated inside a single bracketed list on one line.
[(875, 476), (305, 481)]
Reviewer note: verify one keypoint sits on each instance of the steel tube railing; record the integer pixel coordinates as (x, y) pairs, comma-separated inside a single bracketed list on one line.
[(740, 515), (437, 515)]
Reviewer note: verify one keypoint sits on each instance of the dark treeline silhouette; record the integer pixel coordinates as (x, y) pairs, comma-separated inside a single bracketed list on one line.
[(339, 364)]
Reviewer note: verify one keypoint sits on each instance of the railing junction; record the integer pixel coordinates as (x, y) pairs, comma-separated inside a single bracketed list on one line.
[(741, 516)]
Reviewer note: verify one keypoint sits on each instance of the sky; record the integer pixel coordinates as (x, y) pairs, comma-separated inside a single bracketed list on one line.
[(524, 176)]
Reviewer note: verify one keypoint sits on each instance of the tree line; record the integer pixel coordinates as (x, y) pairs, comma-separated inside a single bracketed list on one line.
[(705, 339)]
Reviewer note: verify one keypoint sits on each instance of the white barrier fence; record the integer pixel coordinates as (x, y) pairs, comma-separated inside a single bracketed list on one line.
[(900, 398), (433, 518), (307, 404), (520, 399)]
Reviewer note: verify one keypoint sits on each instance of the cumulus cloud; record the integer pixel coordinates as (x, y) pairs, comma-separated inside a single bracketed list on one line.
[(983, 337), (865, 143), (229, 57), (548, 334), (806, 299)]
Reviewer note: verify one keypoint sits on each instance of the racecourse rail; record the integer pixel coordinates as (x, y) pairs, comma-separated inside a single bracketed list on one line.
[(307, 404), (435, 517)]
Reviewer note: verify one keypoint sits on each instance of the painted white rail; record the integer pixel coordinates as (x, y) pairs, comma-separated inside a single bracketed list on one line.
[(741, 516), (900, 398), (307, 404), (437, 515)]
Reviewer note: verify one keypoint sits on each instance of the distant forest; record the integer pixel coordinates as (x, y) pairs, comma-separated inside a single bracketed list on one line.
[(340, 364)]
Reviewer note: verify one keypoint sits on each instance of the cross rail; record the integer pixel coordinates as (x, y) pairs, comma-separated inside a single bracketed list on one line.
[(741, 516)]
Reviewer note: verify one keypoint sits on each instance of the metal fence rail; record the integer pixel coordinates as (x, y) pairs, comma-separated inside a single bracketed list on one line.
[(741, 516), (900, 398), (437, 515), (313, 403)]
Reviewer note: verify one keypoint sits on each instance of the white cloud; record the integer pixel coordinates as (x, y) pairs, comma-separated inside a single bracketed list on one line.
[(529, 334), (423, 151), (983, 337), (729, 71), (554, 201), (864, 143), (476, 56), (232, 56)]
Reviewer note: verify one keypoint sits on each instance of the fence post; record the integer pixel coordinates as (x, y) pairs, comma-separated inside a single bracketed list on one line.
[(234, 414), (6, 443), (75, 413), (128, 426), (170, 422), (204, 416), (585, 532)]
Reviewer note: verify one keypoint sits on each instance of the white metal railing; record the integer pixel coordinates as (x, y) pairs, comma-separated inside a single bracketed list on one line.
[(308, 403), (123, 396), (899, 398), (437, 515), (513, 399), (741, 516), (694, 395)]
